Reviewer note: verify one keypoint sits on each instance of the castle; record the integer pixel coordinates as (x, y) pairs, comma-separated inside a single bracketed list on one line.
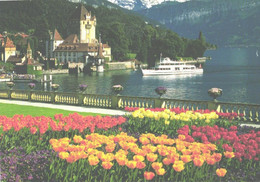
[(80, 47)]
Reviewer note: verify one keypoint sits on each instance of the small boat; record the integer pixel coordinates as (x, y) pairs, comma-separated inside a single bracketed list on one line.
[(5, 78), (256, 53), (24, 78), (169, 67)]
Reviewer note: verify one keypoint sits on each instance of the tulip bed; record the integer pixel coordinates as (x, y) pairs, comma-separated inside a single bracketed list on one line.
[(157, 145)]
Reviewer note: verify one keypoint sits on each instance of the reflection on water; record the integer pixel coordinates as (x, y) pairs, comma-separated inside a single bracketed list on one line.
[(236, 71)]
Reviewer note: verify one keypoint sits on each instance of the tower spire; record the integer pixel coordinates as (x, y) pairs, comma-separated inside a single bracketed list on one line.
[(100, 48)]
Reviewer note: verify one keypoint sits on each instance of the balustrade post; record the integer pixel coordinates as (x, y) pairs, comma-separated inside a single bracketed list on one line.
[(80, 99), (29, 95), (53, 94), (214, 105), (9, 94), (114, 101), (158, 103)]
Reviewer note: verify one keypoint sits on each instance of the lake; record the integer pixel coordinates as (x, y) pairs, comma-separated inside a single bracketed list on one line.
[(235, 70)]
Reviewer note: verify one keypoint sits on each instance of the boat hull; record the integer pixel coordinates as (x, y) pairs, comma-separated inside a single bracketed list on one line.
[(150, 72)]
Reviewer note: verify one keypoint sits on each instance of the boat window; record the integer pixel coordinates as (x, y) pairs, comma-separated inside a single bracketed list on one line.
[(177, 68)]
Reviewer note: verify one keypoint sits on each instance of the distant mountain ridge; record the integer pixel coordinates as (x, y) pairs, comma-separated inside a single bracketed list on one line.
[(223, 22), (140, 4)]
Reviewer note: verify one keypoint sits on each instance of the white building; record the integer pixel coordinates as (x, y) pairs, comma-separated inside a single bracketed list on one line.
[(80, 47), (53, 43)]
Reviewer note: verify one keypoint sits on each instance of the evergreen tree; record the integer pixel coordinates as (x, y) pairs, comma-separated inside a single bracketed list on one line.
[(202, 38)]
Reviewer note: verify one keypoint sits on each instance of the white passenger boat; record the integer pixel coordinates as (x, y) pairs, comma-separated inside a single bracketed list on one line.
[(169, 67)]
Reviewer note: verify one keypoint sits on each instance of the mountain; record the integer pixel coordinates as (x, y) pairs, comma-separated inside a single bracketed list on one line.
[(140, 4), (128, 35), (223, 22), (97, 3)]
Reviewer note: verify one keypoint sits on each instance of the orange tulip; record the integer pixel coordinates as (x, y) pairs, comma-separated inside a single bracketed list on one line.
[(148, 175), (71, 159), (229, 154), (121, 161), (157, 165), (178, 166), (107, 165), (131, 164), (64, 155), (151, 157), (186, 151), (211, 161), (93, 160), (198, 161), (140, 165), (138, 158), (77, 139), (110, 147), (160, 171), (181, 137), (186, 158), (221, 172), (217, 156), (141, 152), (167, 161), (163, 152), (144, 140)]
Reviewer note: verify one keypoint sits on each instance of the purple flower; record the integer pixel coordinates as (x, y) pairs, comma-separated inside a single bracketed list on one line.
[(82, 87), (30, 177), (160, 90)]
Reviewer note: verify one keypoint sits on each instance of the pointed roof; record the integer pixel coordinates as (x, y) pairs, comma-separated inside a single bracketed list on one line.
[(80, 12), (100, 49), (9, 43), (29, 47), (14, 59), (57, 35), (71, 39)]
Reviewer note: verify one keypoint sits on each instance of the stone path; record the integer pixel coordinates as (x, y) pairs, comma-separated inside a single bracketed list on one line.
[(66, 107)]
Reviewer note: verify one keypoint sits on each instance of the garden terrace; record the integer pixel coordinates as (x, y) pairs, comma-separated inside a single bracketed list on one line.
[(246, 112)]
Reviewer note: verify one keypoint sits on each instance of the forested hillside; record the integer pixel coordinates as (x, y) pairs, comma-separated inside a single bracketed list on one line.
[(124, 32), (223, 22)]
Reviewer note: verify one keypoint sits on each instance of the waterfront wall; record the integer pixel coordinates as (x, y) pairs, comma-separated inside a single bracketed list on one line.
[(120, 65), (250, 111), (51, 72)]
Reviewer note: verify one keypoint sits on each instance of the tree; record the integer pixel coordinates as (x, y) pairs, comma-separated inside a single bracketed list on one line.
[(8, 67), (118, 41), (195, 49), (202, 38)]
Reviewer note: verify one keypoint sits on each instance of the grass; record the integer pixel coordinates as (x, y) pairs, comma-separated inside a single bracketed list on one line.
[(10, 110)]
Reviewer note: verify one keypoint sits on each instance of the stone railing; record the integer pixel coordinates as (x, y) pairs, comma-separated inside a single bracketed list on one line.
[(250, 112)]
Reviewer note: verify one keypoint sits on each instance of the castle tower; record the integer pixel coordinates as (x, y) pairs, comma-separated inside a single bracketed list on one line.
[(29, 51), (100, 59), (9, 49), (82, 20), (29, 54)]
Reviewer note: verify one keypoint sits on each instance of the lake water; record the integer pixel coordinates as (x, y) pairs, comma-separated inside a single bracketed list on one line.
[(235, 70)]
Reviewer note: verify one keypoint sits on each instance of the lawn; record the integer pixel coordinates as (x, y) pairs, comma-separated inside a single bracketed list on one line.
[(10, 110)]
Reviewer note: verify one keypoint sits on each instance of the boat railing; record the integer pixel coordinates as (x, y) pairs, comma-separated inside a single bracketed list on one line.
[(242, 111)]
